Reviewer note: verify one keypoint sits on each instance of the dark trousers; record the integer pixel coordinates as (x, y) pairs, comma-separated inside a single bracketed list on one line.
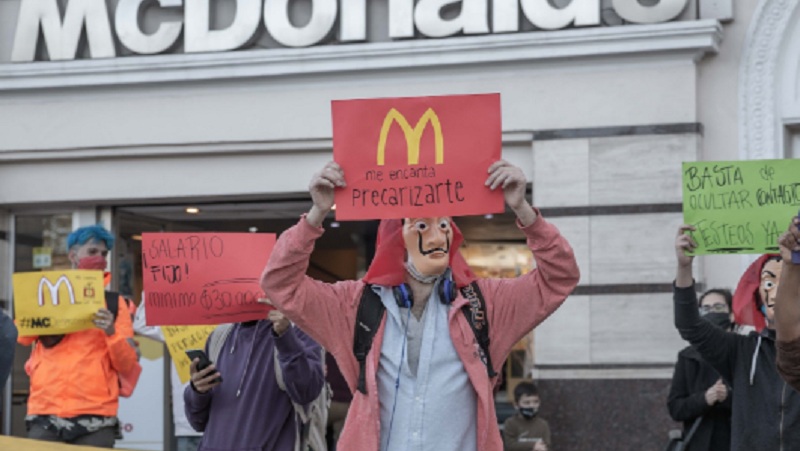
[(102, 438)]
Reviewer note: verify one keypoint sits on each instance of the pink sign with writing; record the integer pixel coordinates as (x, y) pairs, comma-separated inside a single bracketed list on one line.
[(204, 278)]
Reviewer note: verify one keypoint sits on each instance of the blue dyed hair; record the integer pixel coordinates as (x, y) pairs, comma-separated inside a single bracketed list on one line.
[(85, 234)]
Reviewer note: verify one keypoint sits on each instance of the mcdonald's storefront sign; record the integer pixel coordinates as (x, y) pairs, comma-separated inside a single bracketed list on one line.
[(148, 27), (403, 157)]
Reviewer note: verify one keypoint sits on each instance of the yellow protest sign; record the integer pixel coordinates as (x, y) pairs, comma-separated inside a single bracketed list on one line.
[(16, 443), (181, 338), (57, 302)]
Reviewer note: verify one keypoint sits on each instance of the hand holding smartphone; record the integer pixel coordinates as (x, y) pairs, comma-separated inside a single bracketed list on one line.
[(203, 360)]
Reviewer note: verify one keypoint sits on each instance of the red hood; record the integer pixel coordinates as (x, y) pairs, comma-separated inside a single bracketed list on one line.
[(388, 267), (746, 301)]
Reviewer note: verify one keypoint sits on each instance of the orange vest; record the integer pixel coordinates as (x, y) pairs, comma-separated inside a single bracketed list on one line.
[(78, 376)]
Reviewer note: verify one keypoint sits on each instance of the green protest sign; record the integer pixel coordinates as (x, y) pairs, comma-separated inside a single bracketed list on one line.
[(740, 207)]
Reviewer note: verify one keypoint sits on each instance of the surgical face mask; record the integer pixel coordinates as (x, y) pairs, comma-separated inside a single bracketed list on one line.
[(721, 320), (528, 412), (93, 262)]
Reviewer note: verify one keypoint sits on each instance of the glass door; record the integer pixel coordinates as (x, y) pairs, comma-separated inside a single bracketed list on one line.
[(39, 243)]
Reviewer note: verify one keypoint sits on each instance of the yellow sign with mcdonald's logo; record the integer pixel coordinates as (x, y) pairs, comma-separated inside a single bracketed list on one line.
[(418, 156), (57, 302)]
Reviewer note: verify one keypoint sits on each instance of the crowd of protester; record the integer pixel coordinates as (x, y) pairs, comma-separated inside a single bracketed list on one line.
[(399, 364)]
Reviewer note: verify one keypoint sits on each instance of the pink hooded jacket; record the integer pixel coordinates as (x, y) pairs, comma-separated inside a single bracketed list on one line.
[(327, 312)]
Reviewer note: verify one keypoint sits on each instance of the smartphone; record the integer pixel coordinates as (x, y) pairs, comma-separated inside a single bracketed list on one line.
[(203, 361)]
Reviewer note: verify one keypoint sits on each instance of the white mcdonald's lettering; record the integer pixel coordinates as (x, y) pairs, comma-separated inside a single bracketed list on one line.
[(62, 23), (53, 288), (413, 135)]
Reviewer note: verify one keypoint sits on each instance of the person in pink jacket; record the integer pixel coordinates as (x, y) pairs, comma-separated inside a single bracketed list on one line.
[(425, 384)]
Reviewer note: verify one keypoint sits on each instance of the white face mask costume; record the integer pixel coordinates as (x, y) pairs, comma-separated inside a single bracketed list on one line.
[(427, 242), (770, 276)]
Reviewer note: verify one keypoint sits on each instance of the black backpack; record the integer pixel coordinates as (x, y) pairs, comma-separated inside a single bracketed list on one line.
[(371, 310)]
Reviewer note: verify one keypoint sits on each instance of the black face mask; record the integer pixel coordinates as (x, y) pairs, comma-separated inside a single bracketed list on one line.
[(719, 319), (528, 412)]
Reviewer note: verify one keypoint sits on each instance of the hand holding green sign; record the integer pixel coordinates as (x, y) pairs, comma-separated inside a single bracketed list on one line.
[(740, 207)]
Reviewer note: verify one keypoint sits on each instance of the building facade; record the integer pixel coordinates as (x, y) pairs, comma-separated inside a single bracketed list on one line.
[(125, 112)]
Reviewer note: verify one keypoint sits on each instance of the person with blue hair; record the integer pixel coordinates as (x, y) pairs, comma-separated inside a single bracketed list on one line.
[(90, 233), (74, 378)]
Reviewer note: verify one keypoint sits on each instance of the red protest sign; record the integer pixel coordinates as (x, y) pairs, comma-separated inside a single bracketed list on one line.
[(204, 278), (417, 156)]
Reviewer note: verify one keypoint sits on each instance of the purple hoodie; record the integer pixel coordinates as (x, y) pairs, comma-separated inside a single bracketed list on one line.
[(261, 417)]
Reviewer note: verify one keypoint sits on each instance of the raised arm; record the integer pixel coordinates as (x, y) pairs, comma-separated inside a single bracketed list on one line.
[(717, 346), (321, 188), (787, 308), (517, 305), (325, 311), (787, 301)]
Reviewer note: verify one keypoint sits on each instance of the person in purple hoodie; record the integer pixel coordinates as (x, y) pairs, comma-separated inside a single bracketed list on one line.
[(248, 411)]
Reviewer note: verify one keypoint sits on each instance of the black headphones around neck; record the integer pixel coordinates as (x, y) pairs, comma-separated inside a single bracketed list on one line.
[(446, 289)]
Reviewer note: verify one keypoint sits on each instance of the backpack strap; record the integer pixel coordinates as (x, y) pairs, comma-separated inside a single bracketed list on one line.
[(475, 311), (310, 419), (216, 339), (368, 318), (303, 411)]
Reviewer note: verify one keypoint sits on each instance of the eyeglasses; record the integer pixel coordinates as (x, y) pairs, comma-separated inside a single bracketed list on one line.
[(714, 308)]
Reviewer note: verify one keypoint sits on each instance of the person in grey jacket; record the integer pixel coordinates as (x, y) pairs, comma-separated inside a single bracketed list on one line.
[(765, 415)]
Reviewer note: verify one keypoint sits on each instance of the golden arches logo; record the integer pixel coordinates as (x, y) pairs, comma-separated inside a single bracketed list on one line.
[(413, 135), (52, 288)]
